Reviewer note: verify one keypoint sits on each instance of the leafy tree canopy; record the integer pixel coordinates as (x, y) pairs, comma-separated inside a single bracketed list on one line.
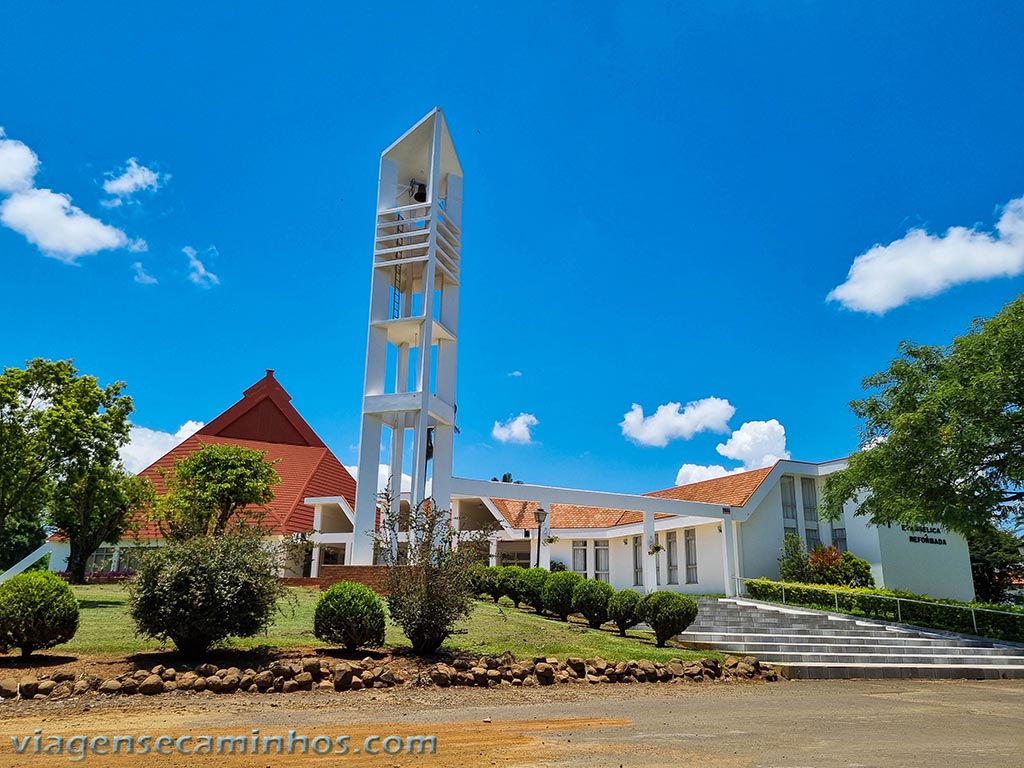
[(943, 432), (213, 488), (60, 433)]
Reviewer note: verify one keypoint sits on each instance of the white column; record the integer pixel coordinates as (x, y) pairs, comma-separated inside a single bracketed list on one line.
[(494, 551), (729, 557), (314, 566), (650, 581), (366, 491)]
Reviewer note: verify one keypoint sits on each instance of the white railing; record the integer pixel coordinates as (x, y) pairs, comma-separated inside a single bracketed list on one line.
[(26, 561)]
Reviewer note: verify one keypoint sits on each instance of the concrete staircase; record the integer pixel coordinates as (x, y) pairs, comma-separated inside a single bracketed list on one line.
[(805, 643)]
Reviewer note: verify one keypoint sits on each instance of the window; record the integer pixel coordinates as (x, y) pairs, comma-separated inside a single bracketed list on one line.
[(638, 563), (521, 558), (788, 504), (579, 557), (690, 544), (672, 557), (100, 561), (809, 491), (601, 561), (129, 558), (839, 538)]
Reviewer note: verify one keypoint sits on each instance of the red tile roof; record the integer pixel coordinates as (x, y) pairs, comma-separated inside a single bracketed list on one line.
[(265, 420), (519, 514), (731, 490)]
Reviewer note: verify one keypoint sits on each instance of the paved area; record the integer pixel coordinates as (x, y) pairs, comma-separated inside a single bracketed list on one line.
[(850, 723)]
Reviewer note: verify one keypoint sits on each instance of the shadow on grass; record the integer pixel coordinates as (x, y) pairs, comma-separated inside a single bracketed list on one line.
[(84, 604)]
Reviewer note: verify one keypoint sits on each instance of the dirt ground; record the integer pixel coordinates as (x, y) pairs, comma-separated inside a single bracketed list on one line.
[(959, 724)]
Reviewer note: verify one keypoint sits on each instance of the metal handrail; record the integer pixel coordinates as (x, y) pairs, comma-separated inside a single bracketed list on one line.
[(899, 600)]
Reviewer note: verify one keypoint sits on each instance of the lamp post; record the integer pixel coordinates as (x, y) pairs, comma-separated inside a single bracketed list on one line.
[(540, 516)]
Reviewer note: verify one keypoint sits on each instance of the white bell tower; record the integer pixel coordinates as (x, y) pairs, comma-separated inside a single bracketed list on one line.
[(412, 338)]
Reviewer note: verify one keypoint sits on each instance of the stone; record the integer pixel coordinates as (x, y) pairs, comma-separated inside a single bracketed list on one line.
[(576, 664), (130, 686), (246, 680), (281, 670), (290, 686), (230, 682), (479, 675), (232, 671), (529, 682), (544, 669), (342, 675), (170, 685), (647, 667), (206, 670), (312, 666), (675, 668), (169, 674), (357, 684), (152, 685), (110, 686), (731, 662), (367, 677), (214, 683), (253, 689), (45, 687), (80, 688), (622, 668), (159, 670), (29, 686), (264, 680), (199, 684), (187, 680), (304, 680)]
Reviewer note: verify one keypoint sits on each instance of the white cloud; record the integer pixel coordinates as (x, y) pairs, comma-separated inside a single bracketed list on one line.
[(514, 430), (132, 179), (147, 445), (695, 473), (47, 219), (61, 230), (756, 443), (18, 165), (141, 276), (198, 273), (384, 475), (515, 374), (920, 265), (672, 421)]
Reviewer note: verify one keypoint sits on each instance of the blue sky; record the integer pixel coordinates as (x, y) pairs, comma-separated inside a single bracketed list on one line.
[(660, 198)]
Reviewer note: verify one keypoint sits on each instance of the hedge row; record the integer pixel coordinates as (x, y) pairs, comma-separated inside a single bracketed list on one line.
[(930, 612)]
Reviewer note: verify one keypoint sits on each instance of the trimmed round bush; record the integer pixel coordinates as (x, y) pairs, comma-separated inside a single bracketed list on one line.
[(557, 594), (479, 576), (533, 581), (351, 615), (511, 583), (590, 597), (668, 614), (492, 581), (624, 609), (557, 566), (204, 590), (37, 610)]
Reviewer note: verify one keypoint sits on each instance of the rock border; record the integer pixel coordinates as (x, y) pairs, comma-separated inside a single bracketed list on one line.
[(318, 673)]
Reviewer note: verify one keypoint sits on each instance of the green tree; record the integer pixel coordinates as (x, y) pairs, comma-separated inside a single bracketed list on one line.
[(214, 488), (430, 585), (942, 439), (59, 433), (506, 478), (995, 561), (94, 504), (18, 537)]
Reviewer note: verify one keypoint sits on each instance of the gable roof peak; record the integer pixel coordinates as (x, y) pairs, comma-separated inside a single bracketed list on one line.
[(264, 413)]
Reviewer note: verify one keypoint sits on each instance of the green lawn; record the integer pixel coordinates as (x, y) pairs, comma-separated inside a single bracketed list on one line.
[(106, 630)]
